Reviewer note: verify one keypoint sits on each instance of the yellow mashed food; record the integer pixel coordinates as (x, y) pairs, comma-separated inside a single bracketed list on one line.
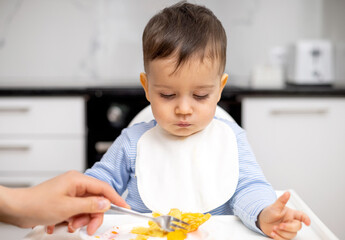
[(194, 220)]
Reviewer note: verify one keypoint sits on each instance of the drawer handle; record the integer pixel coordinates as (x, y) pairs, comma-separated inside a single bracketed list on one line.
[(14, 148), (21, 109), (299, 111)]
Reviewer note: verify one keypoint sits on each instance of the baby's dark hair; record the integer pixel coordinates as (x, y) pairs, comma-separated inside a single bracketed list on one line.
[(186, 30)]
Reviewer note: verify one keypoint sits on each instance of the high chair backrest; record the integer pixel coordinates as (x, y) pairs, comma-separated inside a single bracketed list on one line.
[(146, 115)]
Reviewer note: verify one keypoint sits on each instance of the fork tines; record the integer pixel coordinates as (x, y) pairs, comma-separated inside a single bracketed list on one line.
[(179, 221), (177, 226)]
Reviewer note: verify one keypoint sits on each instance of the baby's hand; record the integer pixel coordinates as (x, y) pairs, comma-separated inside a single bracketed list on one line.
[(281, 222)]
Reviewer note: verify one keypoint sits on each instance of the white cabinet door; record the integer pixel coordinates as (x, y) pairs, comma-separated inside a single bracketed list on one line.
[(42, 154), (42, 115), (42, 134), (300, 145)]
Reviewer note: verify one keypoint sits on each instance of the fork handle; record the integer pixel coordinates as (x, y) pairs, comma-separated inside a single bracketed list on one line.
[(128, 211)]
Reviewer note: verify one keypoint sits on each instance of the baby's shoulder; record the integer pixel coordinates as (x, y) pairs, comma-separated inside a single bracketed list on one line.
[(135, 131)]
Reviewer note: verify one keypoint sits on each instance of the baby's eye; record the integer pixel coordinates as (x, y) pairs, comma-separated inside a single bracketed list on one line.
[(167, 96), (200, 97)]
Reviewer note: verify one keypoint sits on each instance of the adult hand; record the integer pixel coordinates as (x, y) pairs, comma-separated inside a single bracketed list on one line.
[(72, 196), (281, 222)]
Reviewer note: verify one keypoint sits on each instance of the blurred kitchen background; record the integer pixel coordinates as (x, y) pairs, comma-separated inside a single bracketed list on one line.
[(69, 82)]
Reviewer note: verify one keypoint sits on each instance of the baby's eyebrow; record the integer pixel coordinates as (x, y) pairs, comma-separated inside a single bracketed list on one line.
[(196, 87), (205, 86), (161, 86)]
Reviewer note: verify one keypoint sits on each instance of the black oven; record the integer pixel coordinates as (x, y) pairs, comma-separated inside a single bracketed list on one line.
[(108, 112)]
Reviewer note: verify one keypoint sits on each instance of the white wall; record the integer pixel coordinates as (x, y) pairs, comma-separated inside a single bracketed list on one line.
[(88, 42), (334, 20), (255, 27), (333, 28)]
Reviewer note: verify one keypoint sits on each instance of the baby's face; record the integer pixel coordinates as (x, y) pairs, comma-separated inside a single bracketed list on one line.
[(183, 102)]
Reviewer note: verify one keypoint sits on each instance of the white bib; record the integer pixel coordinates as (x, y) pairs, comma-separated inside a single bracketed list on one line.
[(194, 174)]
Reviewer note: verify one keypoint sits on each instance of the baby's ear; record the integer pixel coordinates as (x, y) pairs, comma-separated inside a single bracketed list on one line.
[(223, 81), (144, 83)]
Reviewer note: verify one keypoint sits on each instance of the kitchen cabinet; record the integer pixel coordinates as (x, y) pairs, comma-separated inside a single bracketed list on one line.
[(40, 137), (299, 143)]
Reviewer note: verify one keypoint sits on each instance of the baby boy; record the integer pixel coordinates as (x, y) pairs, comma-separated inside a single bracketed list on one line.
[(186, 157)]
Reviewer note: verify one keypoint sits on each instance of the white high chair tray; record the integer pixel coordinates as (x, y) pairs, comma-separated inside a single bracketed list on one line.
[(223, 227)]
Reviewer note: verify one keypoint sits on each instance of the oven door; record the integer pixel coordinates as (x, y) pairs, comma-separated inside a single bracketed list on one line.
[(107, 114)]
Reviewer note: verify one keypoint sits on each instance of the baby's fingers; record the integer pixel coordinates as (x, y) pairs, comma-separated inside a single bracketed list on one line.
[(302, 217), (293, 226), (287, 230), (281, 234), (277, 236)]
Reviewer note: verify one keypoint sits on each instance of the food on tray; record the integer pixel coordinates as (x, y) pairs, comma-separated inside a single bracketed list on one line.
[(194, 220), (111, 234)]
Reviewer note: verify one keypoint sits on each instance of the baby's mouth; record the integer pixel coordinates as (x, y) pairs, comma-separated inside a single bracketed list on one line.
[(183, 124)]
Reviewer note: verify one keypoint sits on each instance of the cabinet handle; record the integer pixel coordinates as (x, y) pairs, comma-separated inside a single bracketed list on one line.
[(299, 111), (21, 109), (14, 148)]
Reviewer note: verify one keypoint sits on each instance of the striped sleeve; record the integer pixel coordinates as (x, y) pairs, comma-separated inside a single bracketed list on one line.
[(253, 192), (114, 167)]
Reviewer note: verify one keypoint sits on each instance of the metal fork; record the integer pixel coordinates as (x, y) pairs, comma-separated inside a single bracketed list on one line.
[(165, 222)]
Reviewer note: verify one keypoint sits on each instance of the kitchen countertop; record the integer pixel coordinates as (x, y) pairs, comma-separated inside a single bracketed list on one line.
[(229, 91)]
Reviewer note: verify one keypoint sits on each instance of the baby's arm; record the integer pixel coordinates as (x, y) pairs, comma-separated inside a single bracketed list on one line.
[(114, 166), (253, 192)]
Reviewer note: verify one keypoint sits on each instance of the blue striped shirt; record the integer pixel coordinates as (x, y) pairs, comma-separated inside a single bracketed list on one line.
[(252, 195)]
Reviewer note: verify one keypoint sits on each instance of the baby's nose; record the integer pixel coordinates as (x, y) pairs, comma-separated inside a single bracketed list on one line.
[(184, 107)]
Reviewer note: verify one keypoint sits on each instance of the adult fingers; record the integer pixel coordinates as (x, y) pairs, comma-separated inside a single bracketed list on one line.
[(80, 221), (78, 205), (70, 228), (95, 222), (95, 186), (49, 229)]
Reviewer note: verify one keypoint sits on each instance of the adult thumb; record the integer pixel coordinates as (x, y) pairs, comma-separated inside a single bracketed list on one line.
[(90, 204), (282, 201)]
